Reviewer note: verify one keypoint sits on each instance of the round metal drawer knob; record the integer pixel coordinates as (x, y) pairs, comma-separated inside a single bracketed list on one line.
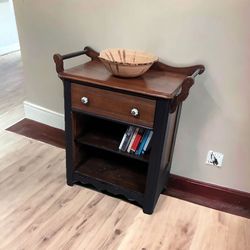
[(84, 100), (134, 112)]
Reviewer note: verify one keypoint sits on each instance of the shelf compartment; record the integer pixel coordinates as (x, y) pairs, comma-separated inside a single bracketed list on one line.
[(108, 142), (121, 176), (102, 134)]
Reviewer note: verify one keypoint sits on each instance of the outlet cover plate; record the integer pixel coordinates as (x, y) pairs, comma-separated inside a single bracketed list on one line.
[(214, 158)]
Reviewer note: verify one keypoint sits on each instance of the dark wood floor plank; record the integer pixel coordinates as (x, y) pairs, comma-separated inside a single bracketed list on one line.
[(220, 198), (40, 132)]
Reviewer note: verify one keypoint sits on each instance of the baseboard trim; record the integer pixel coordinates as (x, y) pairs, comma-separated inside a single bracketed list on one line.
[(205, 194), (221, 198), (45, 116)]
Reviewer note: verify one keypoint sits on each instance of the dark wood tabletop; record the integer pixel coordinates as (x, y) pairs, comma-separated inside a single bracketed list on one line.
[(161, 80), (153, 83)]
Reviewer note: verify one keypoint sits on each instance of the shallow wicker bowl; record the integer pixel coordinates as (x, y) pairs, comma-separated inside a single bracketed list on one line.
[(125, 62)]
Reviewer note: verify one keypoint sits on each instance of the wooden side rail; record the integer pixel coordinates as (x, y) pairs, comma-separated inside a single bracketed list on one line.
[(181, 70), (186, 85), (58, 59)]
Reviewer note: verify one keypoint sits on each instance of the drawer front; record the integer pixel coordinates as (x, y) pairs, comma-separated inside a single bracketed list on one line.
[(113, 105)]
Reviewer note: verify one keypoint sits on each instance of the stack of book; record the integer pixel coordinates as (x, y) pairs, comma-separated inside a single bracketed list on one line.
[(136, 140)]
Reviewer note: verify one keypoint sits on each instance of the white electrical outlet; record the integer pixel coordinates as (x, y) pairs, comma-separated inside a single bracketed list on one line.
[(214, 158)]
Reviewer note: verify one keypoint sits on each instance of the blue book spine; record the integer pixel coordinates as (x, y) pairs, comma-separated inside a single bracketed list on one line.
[(146, 146), (143, 141)]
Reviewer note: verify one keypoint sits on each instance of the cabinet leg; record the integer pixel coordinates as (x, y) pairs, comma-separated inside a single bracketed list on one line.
[(70, 182), (148, 209), (149, 206)]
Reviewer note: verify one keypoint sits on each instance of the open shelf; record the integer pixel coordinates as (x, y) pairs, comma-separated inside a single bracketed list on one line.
[(113, 170), (106, 142), (105, 135)]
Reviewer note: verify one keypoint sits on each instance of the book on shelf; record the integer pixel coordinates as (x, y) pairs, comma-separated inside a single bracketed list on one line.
[(122, 141), (147, 145), (132, 140), (142, 142), (127, 138), (136, 140)]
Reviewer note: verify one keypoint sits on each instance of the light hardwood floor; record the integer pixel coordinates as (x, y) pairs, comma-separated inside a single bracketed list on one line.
[(39, 211), (11, 89)]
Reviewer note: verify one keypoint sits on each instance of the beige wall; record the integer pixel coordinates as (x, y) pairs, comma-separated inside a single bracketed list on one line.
[(215, 33)]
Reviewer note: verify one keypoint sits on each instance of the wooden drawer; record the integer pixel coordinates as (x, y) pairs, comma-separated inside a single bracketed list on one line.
[(113, 105)]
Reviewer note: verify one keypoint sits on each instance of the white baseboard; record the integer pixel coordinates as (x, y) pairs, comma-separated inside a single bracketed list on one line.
[(43, 115), (9, 48)]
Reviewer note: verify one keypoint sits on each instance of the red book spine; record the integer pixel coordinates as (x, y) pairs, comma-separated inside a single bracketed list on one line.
[(136, 141)]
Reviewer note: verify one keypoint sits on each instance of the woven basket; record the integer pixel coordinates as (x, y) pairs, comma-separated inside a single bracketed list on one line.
[(125, 62)]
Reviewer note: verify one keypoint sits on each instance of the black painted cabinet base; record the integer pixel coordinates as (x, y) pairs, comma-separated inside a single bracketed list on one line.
[(93, 157)]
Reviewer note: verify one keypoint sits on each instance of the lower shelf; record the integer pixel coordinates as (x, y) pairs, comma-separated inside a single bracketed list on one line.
[(119, 176)]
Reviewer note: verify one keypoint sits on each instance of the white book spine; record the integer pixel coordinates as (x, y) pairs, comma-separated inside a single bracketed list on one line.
[(123, 139), (129, 134)]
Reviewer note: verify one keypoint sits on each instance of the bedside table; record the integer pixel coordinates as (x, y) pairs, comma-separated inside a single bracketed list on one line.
[(98, 109)]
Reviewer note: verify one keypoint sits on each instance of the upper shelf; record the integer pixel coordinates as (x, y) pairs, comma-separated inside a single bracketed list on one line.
[(160, 80)]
